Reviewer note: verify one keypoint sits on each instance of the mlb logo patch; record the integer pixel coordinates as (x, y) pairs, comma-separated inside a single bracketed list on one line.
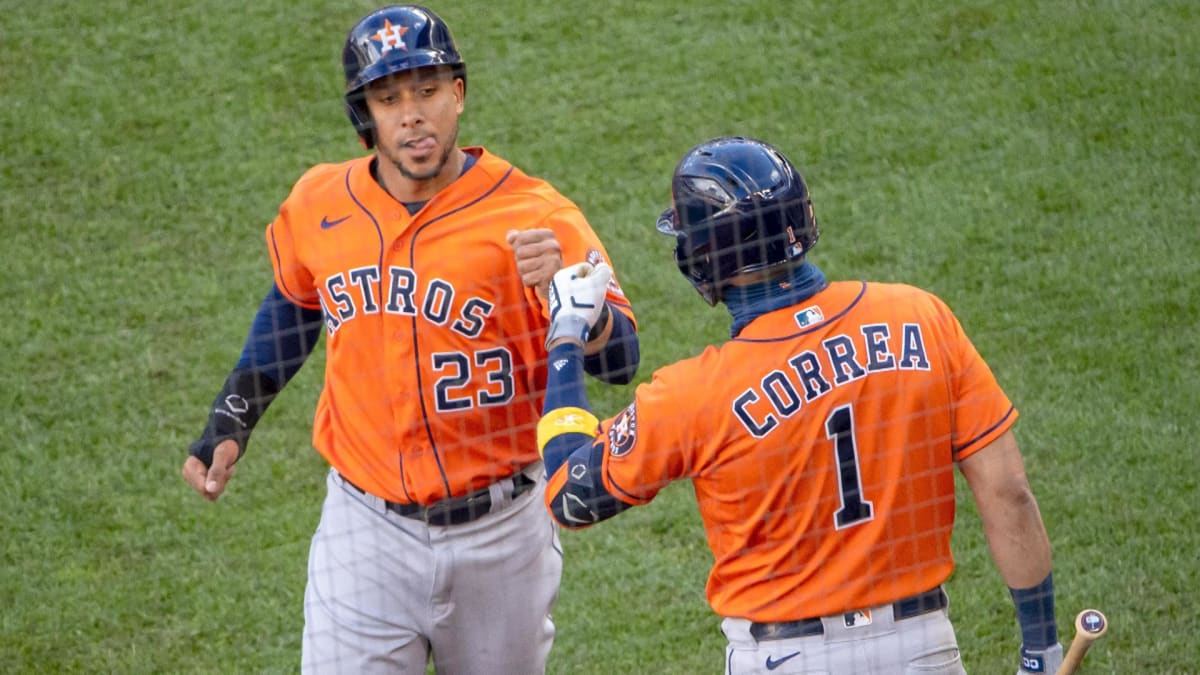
[(809, 316), (857, 618)]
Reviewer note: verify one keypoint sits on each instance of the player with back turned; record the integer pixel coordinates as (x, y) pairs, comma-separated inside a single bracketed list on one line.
[(427, 265), (822, 449)]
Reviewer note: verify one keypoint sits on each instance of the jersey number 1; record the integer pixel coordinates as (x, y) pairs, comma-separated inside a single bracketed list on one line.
[(839, 427)]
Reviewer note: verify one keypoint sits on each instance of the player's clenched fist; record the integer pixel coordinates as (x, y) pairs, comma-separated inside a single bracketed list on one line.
[(538, 255), (210, 479), (577, 300)]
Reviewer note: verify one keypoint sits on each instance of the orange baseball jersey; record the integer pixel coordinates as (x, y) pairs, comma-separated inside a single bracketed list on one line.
[(434, 347), (821, 445)]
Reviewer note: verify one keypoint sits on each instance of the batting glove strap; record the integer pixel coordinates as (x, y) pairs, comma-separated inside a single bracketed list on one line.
[(235, 411), (1041, 660), (575, 327)]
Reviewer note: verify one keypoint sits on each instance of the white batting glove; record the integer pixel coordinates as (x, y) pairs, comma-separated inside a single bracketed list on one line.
[(1038, 662), (577, 300)]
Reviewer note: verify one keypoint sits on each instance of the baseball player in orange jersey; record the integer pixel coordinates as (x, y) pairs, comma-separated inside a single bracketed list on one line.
[(427, 265), (823, 447)]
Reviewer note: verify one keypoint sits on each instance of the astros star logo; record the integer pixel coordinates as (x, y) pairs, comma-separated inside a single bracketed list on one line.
[(623, 432), (570, 420), (390, 37)]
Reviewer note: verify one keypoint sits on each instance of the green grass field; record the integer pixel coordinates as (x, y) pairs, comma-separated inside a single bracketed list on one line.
[(1033, 163)]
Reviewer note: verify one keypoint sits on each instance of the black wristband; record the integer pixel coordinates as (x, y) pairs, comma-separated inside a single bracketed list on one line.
[(1035, 614), (601, 323), (235, 411)]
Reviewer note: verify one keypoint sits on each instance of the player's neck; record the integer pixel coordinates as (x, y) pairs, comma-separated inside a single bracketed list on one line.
[(407, 189), (747, 303)]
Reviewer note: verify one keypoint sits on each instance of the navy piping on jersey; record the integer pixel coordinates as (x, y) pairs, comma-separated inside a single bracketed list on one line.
[(412, 261), (382, 274), (279, 264), (964, 446), (627, 493)]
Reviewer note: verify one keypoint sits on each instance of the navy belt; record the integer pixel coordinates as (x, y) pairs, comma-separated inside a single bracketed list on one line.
[(905, 608), (455, 510)]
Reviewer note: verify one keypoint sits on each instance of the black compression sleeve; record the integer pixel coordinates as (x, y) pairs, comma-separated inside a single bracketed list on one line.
[(281, 338), (235, 411)]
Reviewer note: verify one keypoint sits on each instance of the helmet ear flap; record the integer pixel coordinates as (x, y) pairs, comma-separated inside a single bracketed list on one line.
[(360, 117), (695, 265)]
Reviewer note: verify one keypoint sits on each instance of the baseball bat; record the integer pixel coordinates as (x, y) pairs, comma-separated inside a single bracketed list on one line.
[(1090, 625)]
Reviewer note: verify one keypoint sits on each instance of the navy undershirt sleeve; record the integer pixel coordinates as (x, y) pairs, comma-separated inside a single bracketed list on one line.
[(564, 389), (281, 338), (582, 499)]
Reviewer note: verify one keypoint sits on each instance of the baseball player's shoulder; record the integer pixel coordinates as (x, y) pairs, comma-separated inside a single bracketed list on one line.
[(693, 373), (537, 191), (898, 295), (325, 177), (688, 394)]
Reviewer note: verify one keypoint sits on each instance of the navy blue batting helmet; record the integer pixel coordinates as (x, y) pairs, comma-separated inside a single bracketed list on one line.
[(738, 206), (391, 40)]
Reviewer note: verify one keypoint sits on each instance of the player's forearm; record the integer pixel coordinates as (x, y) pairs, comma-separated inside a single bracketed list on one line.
[(567, 421), (1017, 537), (1012, 522), (566, 436), (281, 338), (579, 498), (235, 411)]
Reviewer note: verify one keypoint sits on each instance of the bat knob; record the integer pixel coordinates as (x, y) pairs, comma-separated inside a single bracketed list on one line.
[(1091, 622)]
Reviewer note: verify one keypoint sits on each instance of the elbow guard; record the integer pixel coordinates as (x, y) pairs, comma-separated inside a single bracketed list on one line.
[(583, 500)]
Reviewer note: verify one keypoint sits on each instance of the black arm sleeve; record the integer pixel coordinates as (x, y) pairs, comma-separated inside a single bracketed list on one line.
[(281, 338), (235, 411)]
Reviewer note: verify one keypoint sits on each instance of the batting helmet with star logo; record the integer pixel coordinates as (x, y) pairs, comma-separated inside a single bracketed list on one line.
[(390, 40)]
